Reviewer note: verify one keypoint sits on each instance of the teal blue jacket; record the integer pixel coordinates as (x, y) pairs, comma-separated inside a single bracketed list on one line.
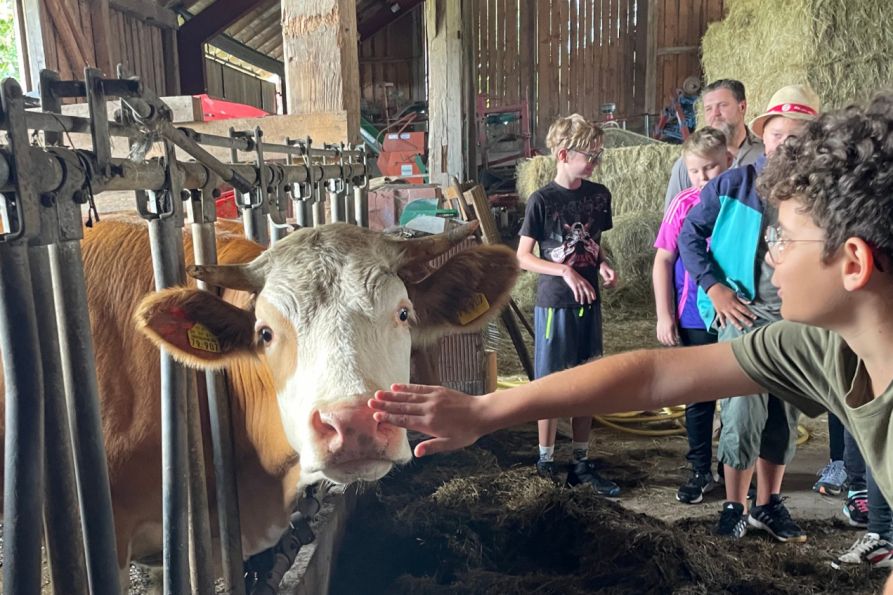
[(730, 216)]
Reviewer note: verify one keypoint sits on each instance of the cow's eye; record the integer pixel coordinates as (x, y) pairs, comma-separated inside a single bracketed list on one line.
[(403, 314), (266, 335)]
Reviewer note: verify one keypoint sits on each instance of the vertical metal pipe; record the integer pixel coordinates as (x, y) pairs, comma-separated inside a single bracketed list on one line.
[(76, 342), (336, 206), (348, 197), (361, 206), (23, 471), (205, 248), (167, 261), (199, 520), (65, 544), (301, 216), (254, 222)]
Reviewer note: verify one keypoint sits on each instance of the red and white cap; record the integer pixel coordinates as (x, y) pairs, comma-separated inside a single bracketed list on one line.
[(797, 102)]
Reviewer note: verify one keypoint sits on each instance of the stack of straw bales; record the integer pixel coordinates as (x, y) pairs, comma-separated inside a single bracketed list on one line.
[(841, 48)]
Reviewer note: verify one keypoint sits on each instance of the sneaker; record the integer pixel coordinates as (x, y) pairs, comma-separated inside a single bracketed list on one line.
[(869, 549), (546, 470), (856, 508), (832, 479), (583, 472), (775, 518), (693, 490), (732, 523)]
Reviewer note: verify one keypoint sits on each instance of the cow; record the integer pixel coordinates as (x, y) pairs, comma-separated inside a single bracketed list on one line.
[(306, 331)]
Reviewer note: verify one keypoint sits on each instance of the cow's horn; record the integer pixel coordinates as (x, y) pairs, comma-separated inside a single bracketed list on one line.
[(419, 251), (246, 277)]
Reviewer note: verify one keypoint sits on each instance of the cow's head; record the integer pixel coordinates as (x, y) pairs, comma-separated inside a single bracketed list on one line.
[(336, 311)]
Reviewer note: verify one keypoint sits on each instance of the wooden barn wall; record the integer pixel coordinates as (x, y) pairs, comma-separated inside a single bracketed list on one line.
[(228, 83), (682, 23), (568, 56), (393, 55), (137, 45)]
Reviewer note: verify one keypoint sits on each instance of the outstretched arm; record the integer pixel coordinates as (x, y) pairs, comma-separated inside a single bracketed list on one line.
[(640, 380)]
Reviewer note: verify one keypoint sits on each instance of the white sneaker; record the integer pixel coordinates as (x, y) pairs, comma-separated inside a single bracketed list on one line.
[(869, 549)]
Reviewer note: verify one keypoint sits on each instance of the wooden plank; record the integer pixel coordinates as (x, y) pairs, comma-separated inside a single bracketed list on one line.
[(99, 34), (495, 69), (83, 20), (512, 53), (651, 32), (69, 38), (483, 55), (147, 11), (545, 79)]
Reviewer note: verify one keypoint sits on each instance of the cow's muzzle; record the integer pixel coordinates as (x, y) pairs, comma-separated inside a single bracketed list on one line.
[(353, 445)]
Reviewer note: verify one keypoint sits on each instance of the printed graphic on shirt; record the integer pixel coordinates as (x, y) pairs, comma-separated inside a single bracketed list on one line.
[(577, 248)]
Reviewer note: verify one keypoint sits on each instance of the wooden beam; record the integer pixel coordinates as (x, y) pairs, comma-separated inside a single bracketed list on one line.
[(194, 33), (147, 11), (384, 16), (448, 114), (322, 73), (99, 13), (70, 37)]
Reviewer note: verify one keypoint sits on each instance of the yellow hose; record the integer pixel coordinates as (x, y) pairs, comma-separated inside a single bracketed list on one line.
[(620, 421)]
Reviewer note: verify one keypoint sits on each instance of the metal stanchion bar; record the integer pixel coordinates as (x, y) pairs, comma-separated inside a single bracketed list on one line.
[(361, 206), (247, 145), (23, 375), (205, 248), (65, 544), (76, 341), (167, 249)]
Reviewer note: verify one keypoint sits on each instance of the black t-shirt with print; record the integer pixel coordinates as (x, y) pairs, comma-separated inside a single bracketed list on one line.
[(568, 226)]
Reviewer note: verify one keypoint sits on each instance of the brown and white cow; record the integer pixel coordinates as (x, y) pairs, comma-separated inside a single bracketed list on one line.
[(306, 330)]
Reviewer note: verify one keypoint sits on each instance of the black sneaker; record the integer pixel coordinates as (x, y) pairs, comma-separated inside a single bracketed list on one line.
[(775, 518), (583, 472), (693, 490), (732, 523), (856, 508), (546, 470)]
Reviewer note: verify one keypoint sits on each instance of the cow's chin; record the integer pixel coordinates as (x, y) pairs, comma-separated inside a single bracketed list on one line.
[(357, 470)]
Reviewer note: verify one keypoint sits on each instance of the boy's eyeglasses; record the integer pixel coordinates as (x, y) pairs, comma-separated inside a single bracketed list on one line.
[(592, 158), (776, 242)]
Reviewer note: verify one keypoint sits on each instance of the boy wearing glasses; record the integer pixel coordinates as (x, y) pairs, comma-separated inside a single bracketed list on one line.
[(736, 296), (832, 248), (566, 219)]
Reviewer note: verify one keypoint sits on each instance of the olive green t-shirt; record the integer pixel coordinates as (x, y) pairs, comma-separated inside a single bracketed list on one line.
[(814, 369)]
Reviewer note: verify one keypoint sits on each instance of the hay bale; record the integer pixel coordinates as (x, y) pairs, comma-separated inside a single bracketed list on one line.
[(636, 176), (619, 137), (841, 48), (629, 246)]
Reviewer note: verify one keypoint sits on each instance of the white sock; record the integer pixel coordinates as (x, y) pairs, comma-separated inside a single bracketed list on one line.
[(547, 453), (581, 450)]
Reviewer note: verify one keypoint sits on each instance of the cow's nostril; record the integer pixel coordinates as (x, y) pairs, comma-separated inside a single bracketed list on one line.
[(322, 427)]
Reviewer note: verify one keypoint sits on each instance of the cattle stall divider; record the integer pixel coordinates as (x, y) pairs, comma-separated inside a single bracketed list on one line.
[(55, 473)]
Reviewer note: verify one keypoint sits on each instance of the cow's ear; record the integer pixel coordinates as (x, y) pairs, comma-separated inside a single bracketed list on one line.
[(196, 327), (465, 293)]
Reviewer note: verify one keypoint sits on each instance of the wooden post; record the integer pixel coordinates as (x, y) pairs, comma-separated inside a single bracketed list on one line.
[(448, 118), (322, 72)]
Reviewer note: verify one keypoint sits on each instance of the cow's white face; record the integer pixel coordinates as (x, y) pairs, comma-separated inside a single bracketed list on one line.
[(337, 310), (337, 358)]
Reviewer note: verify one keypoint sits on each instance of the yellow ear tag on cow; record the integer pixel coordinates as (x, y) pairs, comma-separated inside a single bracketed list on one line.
[(476, 308), (200, 337)]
